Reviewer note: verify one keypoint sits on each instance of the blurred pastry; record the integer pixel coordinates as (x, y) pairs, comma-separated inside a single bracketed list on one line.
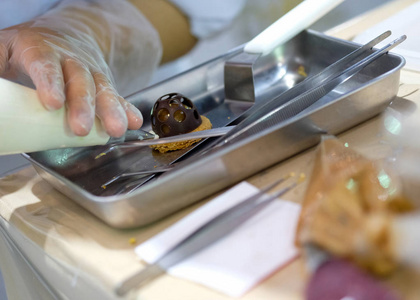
[(350, 208)]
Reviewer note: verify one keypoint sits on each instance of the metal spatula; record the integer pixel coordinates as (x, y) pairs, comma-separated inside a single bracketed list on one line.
[(238, 73)]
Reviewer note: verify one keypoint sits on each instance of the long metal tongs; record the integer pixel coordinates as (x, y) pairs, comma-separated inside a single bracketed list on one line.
[(288, 103), (306, 93), (283, 107), (207, 234), (152, 140)]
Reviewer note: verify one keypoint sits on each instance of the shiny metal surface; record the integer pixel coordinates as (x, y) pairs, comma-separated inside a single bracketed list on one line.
[(77, 174), (239, 77)]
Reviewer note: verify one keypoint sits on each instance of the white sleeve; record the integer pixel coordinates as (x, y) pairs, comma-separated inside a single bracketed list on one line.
[(16, 12), (209, 17)]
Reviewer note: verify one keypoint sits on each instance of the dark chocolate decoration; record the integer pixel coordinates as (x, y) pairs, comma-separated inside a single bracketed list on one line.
[(174, 114)]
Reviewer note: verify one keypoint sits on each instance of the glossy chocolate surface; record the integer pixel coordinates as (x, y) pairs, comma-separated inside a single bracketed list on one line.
[(174, 114)]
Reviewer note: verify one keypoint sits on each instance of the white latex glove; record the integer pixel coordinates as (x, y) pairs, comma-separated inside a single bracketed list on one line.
[(72, 54)]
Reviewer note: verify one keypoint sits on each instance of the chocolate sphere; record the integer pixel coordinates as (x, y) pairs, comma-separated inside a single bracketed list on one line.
[(174, 114)]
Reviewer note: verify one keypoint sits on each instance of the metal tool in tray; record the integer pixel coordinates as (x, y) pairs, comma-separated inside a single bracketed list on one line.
[(286, 105), (292, 101), (303, 95), (279, 109)]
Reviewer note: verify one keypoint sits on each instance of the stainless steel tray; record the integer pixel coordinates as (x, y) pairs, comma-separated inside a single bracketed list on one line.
[(137, 202)]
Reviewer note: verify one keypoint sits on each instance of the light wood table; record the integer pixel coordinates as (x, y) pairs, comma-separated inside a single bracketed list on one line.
[(70, 253)]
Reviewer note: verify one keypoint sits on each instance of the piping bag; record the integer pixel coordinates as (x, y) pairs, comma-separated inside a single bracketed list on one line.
[(26, 126)]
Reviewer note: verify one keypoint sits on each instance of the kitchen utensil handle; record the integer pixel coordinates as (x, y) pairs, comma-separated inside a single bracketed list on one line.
[(288, 26)]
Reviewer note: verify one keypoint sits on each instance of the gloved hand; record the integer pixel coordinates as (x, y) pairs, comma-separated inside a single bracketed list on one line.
[(71, 53)]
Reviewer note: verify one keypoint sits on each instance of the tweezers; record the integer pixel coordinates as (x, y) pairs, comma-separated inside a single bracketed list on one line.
[(298, 98), (311, 82), (150, 140), (210, 232)]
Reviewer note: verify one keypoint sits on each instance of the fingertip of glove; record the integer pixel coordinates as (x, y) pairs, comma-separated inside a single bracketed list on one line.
[(116, 128), (81, 128), (134, 116), (52, 99), (135, 119)]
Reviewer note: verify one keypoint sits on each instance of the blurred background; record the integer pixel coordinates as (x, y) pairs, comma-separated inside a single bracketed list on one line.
[(255, 17)]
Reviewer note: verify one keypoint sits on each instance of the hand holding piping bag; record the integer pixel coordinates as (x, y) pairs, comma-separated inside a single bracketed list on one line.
[(70, 55)]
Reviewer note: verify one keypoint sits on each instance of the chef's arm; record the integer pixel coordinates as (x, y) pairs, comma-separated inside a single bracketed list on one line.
[(84, 54)]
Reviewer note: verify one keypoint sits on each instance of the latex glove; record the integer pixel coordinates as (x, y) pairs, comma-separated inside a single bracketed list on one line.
[(71, 53)]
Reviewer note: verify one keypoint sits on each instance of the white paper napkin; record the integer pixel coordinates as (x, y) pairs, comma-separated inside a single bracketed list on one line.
[(236, 263), (405, 22)]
